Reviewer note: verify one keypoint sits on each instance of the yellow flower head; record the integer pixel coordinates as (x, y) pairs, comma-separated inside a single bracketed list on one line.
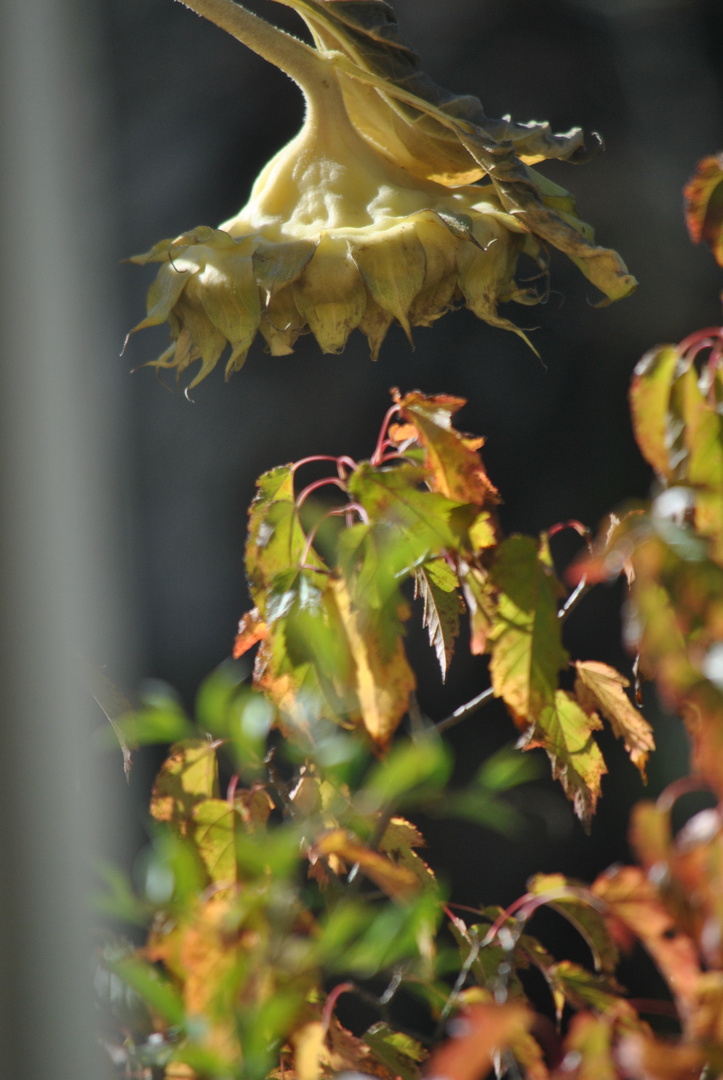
[(394, 201)]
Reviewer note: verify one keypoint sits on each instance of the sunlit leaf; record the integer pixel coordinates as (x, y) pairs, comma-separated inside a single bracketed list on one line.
[(602, 688), (394, 496), (436, 583), (382, 682), (526, 652), (564, 731), (396, 881), (188, 777), (451, 459)]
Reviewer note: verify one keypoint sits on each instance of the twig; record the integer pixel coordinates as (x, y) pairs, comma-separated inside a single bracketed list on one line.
[(465, 710)]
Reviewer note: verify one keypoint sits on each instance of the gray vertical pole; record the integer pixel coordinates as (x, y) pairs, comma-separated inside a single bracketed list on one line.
[(53, 589)]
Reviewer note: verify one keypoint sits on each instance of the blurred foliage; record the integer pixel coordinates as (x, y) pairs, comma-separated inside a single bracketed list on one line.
[(284, 869)]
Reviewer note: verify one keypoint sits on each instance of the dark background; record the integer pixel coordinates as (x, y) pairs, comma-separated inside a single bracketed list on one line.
[(194, 116)]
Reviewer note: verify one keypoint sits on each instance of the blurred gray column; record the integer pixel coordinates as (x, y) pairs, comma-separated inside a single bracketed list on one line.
[(56, 594)]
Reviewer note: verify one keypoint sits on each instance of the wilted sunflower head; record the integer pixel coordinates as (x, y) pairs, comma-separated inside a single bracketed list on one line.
[(394, 202)]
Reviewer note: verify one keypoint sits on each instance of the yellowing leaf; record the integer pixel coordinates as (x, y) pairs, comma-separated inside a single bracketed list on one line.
[(600, 687), (396, 881), (382, 682), (564, 731), (309, 1044), (188, 777), (455, 467), (526, 650), (217, 825)]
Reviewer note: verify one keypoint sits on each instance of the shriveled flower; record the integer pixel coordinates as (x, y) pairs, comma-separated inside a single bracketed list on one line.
[(394, 201)]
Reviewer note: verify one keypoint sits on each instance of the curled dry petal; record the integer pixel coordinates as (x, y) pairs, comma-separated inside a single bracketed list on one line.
[(394, 202)]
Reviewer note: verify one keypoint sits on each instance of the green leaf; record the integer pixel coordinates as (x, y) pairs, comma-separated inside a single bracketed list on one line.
[(436, 583), (526, 649), (411, 765), (217, 825), (151, 986), (393, 496), (583, 990), (399, 1054), (585, 917), (564, 731)]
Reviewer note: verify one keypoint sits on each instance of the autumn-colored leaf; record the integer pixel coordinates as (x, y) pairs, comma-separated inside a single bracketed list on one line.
[(452, 460), (400, 1054), (564, 731), (584, 916), (382, 682), (478, 1033), (602, 688), (396, 881), (252, 629), (636, 909), (703, 468), (704, 204), (526, 652), (642, 1057), (188, 777), (436, 583)]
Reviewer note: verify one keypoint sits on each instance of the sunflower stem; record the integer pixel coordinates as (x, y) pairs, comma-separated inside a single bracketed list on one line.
[(296, 59)]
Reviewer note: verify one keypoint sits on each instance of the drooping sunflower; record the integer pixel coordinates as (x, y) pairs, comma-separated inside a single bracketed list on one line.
[(395, 201)]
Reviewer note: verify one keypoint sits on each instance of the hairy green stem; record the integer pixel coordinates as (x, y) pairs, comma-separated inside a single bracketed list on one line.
[(298, 60)]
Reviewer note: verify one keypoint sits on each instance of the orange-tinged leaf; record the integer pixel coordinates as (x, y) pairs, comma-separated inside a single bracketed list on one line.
[(396, 881), (252, 629), (527, 651), (642, 1057), (602, 688), (704, 204), (481, 599), (455, 467), (633, 903), (564, 731), (188, 777), (382, 682), (479, 1033)]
